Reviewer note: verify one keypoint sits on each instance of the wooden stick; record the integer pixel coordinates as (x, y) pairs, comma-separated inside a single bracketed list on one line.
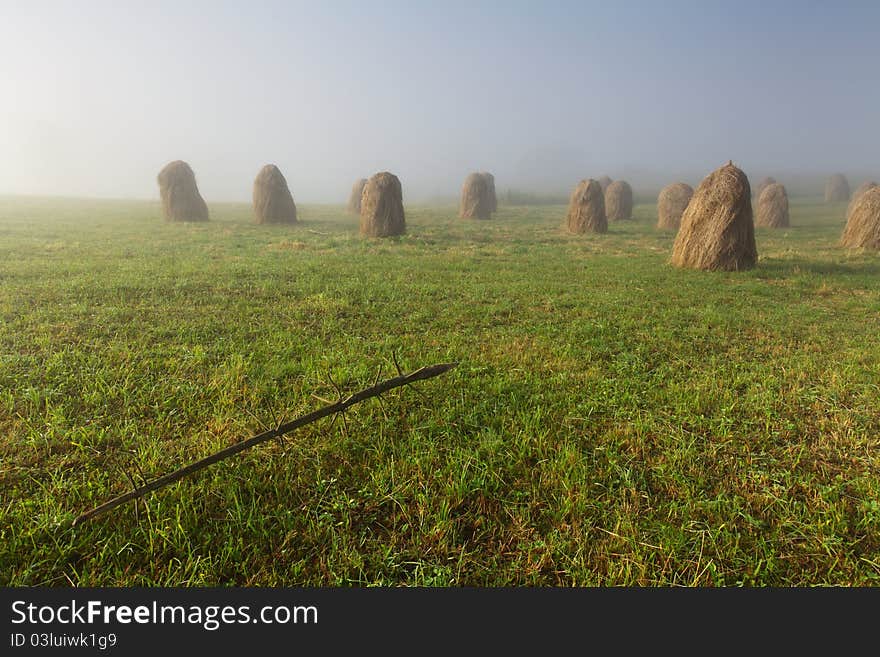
[(373, 391)]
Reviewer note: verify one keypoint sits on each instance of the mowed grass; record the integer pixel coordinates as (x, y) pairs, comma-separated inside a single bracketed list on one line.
[(612, 420)]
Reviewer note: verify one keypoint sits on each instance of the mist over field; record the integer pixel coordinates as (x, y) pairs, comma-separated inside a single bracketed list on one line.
[(100, 95), (627, 387)]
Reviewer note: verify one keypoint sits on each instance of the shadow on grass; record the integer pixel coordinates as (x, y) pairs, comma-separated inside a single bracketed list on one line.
[(789, 266)]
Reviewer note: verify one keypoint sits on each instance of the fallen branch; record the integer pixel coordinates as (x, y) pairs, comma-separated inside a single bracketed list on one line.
[(367, 393)]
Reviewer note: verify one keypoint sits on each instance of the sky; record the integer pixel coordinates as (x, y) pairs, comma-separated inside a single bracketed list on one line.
[(95, 96)]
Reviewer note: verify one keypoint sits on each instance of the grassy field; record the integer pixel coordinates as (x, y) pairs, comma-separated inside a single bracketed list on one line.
[(612, 420)]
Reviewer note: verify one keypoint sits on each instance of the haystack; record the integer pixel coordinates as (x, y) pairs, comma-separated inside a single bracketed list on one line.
[(863, 225), (475, 202), (671, 204), (586, 209), (717, 230), (861, 189), (836, 189), (490, 190), (354, 200), (772, 210), (864, 187), (604, 181), (180, 196), (765, 182), (382, 207), (273, 202), (619, 201)]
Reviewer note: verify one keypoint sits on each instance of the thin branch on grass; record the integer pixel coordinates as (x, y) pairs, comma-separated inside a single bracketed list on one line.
[(375, 390), (137, 516)]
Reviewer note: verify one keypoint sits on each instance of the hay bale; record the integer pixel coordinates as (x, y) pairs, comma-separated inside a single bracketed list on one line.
[(180, 196), (864, 187), (586, 209), (836, 189), (382, 207), (863, 225), (772, 210), (490, 191), (619, 201), (717, 229), (475, 202), (765, 182), (604, 181), (861, 189), (273, 202), (671, 204), (354, 199)]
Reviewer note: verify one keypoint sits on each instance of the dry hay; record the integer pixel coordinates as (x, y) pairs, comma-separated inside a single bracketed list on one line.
[(604, 181), (586, 209), (765, 182), (273, 202), (863, 225), (475, 202), (864, 187), (180, 196), (619, 201), (354, 200), (490, 190), (861, 189), (772, 210), (836, 189), (717, 230), (382, 207), (671, 204)]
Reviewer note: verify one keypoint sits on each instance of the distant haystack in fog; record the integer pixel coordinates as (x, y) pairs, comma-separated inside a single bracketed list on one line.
[(717, 229), (354, 199), (836, 189), (768, 180), (604, 181), (180, 196), (490, 190), (475, 202), (863, 225), (861, 189), (586, 209), (382, 207), (671, 204), (273, 202), (619, 201), (772, 210)]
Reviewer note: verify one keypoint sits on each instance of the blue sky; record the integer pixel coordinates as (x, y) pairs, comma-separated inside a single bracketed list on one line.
[(99, 95)]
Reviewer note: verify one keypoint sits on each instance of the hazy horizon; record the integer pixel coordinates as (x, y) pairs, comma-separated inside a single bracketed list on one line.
[(101, 95)]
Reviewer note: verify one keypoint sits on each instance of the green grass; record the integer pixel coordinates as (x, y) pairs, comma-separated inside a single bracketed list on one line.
[(613, 420)]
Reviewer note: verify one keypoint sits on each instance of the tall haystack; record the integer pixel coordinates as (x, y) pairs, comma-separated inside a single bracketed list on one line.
[(604, 181), (382, 207), (586, 209), (671, 204), (861, 189), (180, 196), (717, 229), (475, 202), (864, 187), (354, 200), (772, 208), (765, 182), (490, 190), (273, 202), (836, 189), (863, 225), (619, 201)]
